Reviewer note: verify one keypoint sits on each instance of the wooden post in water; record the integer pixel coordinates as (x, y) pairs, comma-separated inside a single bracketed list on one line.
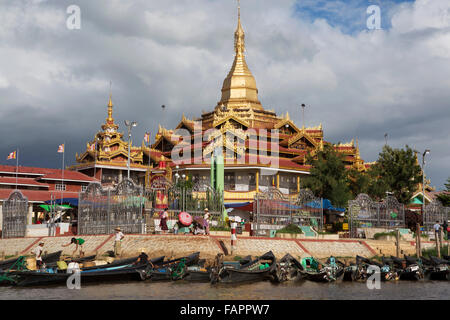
[(398, 243), (419, 240), (438, 247)]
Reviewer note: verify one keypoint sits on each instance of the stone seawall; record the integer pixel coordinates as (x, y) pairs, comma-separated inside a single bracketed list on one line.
[(209, 246)]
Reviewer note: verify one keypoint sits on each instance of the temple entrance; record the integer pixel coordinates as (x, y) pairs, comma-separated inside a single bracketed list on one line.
[(180, 198), (100, 211), (15, 211)]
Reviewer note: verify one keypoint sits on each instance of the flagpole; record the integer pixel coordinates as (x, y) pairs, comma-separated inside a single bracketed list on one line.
[(17, 168), (62, 186), (149, 159)]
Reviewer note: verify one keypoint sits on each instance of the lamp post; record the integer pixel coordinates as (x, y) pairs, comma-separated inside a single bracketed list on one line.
[(129, 124), (423, 180), (303, 115)]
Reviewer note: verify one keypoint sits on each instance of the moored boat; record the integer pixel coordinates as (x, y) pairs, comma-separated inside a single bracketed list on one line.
[(259, 269)]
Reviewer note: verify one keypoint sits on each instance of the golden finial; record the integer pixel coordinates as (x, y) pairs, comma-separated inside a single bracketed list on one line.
[(287, 115), (110, 105), (239, 35)]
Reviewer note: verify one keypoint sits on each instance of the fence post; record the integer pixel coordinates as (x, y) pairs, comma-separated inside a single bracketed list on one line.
[(418, 241), (233, 235), (438, 247), (398, 243), (321, 215)]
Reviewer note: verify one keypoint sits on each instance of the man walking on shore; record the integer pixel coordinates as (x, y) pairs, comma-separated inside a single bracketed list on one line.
[(118, 242)]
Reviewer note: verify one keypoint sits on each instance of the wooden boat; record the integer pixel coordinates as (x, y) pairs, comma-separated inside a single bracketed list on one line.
[(408, 269), (317, 272), (439, 269), (173, 269), (198, 274), (47, 259), (108, 273), (259, 269), (287, 269)]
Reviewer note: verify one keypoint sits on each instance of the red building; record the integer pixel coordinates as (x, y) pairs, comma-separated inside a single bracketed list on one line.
[(40, 185)]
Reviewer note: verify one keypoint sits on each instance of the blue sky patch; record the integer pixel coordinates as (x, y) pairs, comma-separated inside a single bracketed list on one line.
[(350, 16)]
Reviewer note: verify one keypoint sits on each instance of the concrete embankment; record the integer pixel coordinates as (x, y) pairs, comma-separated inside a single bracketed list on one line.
[(209, 246)]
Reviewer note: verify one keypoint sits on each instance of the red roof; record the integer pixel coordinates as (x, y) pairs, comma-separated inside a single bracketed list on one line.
[(48, 173), (22, 181), (68, 175), (38, 195)]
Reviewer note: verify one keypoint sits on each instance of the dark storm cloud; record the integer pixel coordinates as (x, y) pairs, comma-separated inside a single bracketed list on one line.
[(54, 82)]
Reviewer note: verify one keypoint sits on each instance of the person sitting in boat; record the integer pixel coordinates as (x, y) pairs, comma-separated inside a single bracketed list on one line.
[(143, 259), (78, 243)]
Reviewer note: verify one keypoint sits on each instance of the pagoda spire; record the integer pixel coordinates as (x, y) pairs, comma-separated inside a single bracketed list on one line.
[(110, 119), (239, 87)]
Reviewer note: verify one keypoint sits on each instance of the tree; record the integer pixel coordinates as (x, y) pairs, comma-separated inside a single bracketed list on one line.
[(329, 177), (396, 171), (358, 182), (444, 197)]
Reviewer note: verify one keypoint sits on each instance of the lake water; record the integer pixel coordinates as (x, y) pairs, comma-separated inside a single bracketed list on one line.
[(181, 290)]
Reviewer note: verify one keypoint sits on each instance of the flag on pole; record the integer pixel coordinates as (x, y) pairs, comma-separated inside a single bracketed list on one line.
[(147, 137), (61, 148), (11, 156)]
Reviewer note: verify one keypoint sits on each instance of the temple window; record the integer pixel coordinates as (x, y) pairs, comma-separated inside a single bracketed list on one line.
[(252, 181), (230, 181)]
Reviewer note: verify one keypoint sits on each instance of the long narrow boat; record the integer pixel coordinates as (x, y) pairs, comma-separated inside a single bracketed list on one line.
[(124, 272), (408, 269), (440, 269), (173, 269), (47, 259), (288, 269), (260, 269), (315, 271)]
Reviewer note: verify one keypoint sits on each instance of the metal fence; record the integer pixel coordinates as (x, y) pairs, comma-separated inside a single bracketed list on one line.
[(193, 200), (100, 211), (276, 210), (365, 213), (15, 210), (435, 211)]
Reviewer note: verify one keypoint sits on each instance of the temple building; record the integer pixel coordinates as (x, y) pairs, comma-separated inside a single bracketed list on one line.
[(243, 124), (106, 156), (260, 148)]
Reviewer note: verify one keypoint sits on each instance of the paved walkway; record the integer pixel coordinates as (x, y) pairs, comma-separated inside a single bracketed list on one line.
[(177, 245)]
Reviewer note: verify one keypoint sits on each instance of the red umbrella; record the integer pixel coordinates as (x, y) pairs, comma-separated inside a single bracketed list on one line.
[(185, 218)]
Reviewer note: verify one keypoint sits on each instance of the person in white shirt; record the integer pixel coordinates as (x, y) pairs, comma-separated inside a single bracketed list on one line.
[(118, 242), (38, 252), (437, 228)]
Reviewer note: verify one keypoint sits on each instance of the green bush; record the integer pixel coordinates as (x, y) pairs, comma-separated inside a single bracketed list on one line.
[(433, 252), (220, 228), (382, 234), (290, 228)]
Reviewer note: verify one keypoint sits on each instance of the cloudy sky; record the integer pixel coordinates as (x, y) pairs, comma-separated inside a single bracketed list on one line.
[(359, 83)]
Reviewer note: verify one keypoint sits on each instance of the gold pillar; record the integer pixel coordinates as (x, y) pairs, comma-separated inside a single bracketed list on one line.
[(257, 181), (278, 180), (298, 183)]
